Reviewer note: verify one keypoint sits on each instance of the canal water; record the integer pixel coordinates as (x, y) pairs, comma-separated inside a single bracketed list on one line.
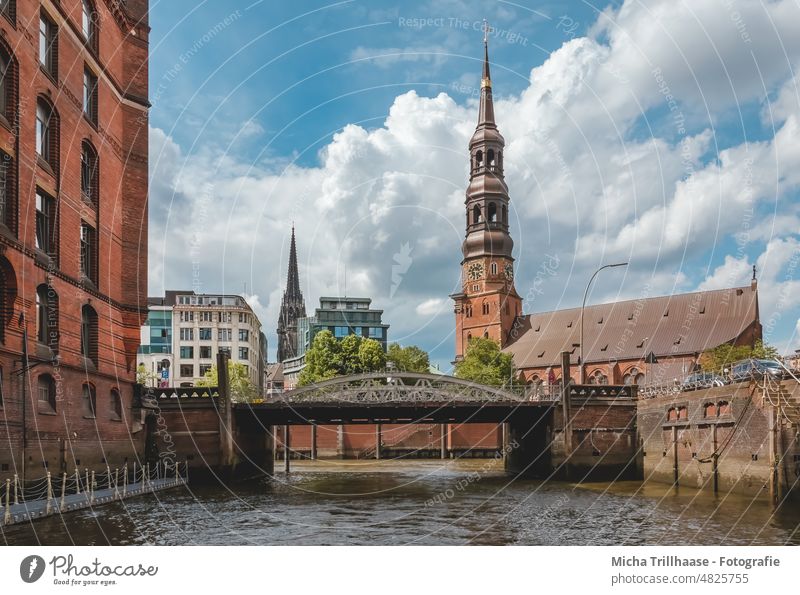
[(419, 503)]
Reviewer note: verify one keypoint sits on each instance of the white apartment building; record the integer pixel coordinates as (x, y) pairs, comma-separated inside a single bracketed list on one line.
[(203, 325)]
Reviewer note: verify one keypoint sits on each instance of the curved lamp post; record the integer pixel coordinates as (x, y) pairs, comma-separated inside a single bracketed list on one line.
[(583, 307)]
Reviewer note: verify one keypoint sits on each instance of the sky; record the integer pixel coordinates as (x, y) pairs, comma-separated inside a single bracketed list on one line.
[(662, 133)]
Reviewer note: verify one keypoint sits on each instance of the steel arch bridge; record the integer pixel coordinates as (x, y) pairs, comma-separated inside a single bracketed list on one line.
[(390, 387)]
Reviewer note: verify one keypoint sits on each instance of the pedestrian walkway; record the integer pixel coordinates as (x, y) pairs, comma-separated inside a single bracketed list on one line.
[(79, 491)]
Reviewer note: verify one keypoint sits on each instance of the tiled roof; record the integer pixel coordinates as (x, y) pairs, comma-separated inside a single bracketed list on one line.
[(672, 325)]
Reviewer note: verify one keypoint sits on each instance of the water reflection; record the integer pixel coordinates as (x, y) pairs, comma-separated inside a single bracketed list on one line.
[(420, 502)]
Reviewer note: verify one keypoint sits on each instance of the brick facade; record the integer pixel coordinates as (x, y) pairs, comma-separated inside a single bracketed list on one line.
[(64, 433)]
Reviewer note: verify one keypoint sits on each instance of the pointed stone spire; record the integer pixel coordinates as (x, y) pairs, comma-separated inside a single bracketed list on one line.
[(486, 111), (293, 277), (292, 307)]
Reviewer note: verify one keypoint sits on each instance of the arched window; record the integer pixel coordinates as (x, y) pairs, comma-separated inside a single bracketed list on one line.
[(505, 214), (89, 400), (672, 414), (723, 408), (486, 334), (47, 133), (493, 268), (485, 308), (469, 337), (8, 294), (478, 159), (476, 214), (89, 24), (89, 333), (89, 174), (46, 389), (492, 212), (597, 377), (116, 405), (490, 159)]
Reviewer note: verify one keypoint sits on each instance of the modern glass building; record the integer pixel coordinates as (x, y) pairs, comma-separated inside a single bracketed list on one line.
[(342, 316)]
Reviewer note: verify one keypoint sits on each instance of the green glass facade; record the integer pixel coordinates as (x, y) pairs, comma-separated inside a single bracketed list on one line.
[(160, 323)]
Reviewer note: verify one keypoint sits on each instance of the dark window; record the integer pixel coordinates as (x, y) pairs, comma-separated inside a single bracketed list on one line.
[(6, 83), (476, 214), (187, 370), (47, 134), (205, 352), (204, 368), (187, 352), (8, 9), (48, 45), (244, 353), (8, 294), (7, 189), (46, 389), (89, 24), (90, 95), (244, 335), (116, 405), (205, 334), (89, 401), (2, 387), (89, 252), (89, 177), (45, 222), (89, 333), (47, 316), (492, 212)]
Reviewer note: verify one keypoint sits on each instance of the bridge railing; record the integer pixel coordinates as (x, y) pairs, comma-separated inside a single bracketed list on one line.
[(141, 392)]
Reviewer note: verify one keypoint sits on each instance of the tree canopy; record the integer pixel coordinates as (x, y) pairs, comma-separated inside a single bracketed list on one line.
[(328, 358), (241, 388), (722, 356), (408, 359), (485, 363)]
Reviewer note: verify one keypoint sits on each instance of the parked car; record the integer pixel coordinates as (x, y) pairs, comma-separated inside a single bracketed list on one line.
[(750, 368), (702, 380)]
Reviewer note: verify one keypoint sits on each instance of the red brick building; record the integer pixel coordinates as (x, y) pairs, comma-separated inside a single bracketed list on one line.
[(73, 230)]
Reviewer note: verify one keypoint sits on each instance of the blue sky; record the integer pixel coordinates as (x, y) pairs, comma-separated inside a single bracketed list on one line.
[(659, 134)]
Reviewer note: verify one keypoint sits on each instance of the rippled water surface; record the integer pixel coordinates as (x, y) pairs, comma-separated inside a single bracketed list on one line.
[(419, 502)]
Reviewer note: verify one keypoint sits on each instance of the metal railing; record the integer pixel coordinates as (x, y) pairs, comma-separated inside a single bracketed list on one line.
[(50, 492)]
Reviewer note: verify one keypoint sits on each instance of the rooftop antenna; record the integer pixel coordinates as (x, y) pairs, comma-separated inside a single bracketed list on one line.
[(485, 32)]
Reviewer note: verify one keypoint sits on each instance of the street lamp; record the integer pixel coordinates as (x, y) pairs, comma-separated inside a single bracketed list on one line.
[(583, 307)]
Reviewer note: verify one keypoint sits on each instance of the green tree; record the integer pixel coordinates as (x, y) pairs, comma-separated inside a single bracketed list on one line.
[(485, 363), (328, 358), (323, 359), (408, 359), (241, 388), (722, 356), (371, 355), (144, 377)]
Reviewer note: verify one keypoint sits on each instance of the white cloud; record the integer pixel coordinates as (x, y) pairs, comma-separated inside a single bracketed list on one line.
[(595, 161)]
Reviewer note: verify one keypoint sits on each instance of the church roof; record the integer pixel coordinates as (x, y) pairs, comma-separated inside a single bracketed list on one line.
[(680, 324)]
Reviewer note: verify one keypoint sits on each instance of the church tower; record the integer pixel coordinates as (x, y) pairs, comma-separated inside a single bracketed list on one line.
[(488, 303), (292, 307)]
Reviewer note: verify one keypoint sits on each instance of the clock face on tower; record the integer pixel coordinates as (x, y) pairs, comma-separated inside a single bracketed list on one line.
[(509, 271), (475, 271)]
